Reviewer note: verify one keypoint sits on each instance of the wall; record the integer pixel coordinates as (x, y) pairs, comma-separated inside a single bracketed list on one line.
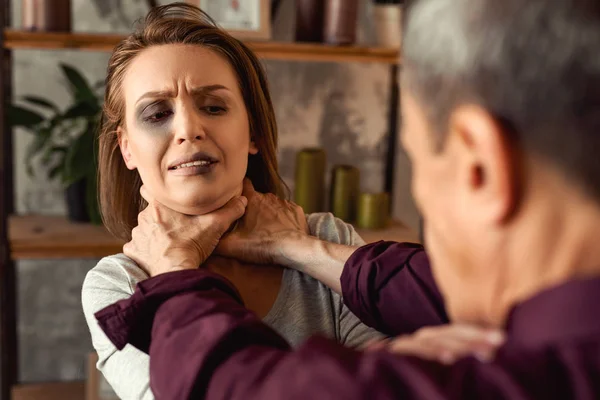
[(342, 107)]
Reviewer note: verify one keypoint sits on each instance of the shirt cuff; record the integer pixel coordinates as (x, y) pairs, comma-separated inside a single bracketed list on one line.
[(130, 320)]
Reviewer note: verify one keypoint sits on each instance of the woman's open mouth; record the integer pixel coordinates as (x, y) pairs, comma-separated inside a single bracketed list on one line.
[(198, 165)]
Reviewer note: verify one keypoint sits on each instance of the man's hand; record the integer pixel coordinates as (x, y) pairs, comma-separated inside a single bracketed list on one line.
[(268, 222), (445, 344), (166, 240)]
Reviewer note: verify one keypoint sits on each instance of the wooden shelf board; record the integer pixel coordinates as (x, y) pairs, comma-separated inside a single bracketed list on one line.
[(396, 231), (37, 236), (50, 391), (14, 39)]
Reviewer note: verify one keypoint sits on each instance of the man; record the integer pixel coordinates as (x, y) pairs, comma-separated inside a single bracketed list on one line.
[(501, 113)]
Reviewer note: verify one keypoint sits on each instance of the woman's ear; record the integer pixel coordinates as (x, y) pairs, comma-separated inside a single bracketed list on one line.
[(125, 150), (253, 149)]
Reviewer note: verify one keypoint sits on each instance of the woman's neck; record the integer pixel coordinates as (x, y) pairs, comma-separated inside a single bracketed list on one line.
[(258, 285)]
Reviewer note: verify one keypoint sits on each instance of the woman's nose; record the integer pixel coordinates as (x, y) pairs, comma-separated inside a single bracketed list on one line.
[(189, 127)]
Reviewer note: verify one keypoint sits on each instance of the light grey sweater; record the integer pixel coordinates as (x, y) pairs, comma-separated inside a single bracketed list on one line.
[(304, 307)]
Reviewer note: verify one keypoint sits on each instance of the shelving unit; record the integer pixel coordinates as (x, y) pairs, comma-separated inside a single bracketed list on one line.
[(43, 237), (267, 50), (37, 237)]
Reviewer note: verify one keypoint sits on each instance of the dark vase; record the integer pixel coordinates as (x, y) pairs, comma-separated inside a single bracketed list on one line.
[(309, 20), (46, 15), (341, 17), (75, 195)]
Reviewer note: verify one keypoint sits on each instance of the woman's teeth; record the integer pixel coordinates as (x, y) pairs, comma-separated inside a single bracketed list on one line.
[(192, 164)]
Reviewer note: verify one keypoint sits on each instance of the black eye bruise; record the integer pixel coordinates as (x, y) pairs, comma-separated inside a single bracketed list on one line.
[(150, 110), (148, 113)]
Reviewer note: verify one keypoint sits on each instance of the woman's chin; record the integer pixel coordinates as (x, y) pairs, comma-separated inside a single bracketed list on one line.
[(196, 207), (200, 201)]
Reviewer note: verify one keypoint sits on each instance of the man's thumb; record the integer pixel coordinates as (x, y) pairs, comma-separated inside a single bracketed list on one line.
[(233, 210)]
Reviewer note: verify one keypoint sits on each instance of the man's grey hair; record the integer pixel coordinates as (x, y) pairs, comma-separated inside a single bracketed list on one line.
[(534, 65)]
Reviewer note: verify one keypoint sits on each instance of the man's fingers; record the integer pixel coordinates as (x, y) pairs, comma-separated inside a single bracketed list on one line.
[(469, 332), (229, 246), (413, 347), (447, 344), (426, 350), (452, 348), (230, 212), (248, 189)]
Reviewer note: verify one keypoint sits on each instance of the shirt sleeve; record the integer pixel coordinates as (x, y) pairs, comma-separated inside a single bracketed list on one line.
[(205, 345), (126, 371), (390, 287)]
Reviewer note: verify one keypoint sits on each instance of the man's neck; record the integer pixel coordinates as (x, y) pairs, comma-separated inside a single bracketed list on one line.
[(556, 239)]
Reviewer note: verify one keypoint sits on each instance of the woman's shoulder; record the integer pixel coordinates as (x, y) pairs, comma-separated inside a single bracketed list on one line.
[(327, 227), (116, 272)]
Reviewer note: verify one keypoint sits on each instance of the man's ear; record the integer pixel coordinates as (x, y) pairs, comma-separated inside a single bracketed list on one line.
[(487, 162), (125, 149)]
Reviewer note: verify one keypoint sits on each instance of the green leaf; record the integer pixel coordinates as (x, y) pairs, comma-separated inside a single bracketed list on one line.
[(51, 151), (37, 145), (80, 157), (100, 84), (67, 126), (83, 109), (79, 85), (54, 171), (20, 116), (38, 101)]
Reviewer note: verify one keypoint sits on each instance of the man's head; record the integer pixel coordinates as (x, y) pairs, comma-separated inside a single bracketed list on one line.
[(501, 104)]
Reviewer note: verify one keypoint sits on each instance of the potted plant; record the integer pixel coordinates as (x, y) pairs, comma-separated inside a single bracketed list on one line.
[(65, 141)]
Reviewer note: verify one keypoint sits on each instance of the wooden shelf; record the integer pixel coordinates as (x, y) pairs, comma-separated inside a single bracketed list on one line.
[(14, 39), (49, 391), (396, 232), (36, 236)]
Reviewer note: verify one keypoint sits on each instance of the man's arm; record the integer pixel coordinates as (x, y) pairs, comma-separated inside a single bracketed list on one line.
[(205, 345), (275, 231), (320, 259), (388, 285)]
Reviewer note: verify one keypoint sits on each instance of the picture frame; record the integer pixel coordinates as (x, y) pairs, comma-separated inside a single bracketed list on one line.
[(243, 19)]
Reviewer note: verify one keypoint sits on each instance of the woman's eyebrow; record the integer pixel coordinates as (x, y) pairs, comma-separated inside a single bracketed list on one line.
[(208, 89), (169, 93)]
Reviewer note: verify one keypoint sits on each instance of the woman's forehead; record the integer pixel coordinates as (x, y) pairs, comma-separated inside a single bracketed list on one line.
[(167, 67)]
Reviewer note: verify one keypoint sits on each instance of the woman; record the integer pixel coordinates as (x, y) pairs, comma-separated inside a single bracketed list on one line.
[(187, 113)]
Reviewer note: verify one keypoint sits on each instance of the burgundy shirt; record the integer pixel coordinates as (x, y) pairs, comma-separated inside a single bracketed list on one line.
[(204, 344)]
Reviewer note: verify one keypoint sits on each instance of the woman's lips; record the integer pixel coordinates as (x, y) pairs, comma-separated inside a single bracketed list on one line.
[(198, 158), (194, 168)]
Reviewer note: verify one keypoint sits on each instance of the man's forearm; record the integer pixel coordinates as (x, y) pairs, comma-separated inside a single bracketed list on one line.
[(322, 260)]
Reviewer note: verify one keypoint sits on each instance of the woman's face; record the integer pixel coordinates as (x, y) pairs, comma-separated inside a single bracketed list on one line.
[(186, 128)]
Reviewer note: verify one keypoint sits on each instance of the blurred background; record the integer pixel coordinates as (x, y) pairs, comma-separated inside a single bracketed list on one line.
[(340, 104)]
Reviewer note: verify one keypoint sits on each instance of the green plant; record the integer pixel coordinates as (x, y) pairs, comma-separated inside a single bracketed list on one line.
[(64, 140)]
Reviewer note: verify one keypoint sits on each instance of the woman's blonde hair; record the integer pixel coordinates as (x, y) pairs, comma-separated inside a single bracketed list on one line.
[(180, 23)]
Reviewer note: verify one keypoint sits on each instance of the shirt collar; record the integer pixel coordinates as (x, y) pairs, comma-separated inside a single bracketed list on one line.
[(565, 312)]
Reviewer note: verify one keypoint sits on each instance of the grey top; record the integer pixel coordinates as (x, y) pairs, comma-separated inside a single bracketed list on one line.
[(304, 307)]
